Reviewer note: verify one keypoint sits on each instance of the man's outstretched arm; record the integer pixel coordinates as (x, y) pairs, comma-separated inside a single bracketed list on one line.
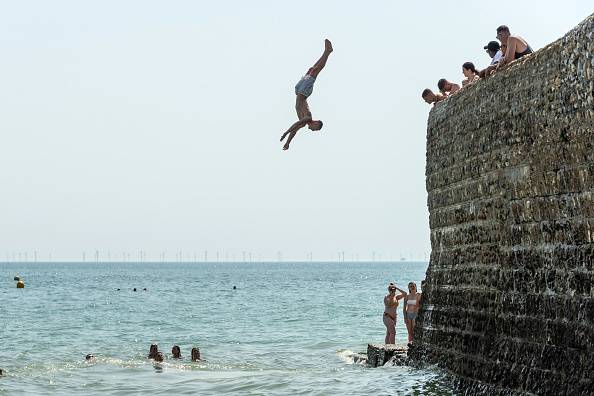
[(292, 131)]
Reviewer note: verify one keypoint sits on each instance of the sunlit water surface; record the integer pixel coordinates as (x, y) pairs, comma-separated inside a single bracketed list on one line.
[(288, 328)]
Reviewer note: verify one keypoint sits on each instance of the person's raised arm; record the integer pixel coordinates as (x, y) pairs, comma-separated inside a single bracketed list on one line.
[(401, 295)]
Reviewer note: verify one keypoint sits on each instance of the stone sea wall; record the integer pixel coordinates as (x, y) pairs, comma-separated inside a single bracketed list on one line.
[(509, 304)]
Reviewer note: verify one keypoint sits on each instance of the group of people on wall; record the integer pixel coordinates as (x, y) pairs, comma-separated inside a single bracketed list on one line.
[(510, 49), (409, 310)]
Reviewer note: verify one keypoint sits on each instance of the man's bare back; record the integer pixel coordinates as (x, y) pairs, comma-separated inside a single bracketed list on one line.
[(303, 90)]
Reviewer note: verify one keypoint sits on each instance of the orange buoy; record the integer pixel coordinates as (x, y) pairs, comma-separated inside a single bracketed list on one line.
[(20, 285), (17, 278)]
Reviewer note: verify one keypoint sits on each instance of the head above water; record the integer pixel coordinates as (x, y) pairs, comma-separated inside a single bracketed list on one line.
[(89, 357), (195, 353), (176, 351), (159, 357)]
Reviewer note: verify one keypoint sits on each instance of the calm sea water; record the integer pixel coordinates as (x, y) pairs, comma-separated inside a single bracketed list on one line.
[(288, 328)]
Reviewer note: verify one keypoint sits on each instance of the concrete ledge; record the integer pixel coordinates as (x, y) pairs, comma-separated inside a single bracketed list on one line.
[(391, 354)]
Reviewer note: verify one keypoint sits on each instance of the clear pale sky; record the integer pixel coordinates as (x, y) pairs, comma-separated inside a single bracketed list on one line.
[(154, 126)]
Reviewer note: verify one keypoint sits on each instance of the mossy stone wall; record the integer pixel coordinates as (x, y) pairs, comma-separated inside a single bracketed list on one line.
[(509, 307)]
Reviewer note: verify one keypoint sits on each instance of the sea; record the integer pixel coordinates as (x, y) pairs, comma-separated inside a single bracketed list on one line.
[(288, 328)]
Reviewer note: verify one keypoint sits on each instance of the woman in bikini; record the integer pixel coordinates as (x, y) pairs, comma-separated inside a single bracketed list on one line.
[(390, 313), (411, 308)]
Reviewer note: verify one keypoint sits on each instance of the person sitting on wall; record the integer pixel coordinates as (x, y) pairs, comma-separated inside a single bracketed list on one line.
[(430, 97), (471, 74), (517, 47), (494, 51), (447, 88)]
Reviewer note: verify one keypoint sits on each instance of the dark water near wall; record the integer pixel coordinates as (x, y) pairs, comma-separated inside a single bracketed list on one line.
[(289, 328)]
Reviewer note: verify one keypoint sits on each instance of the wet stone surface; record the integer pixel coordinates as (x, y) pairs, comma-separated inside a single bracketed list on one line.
[(508, 308), (391, 354)]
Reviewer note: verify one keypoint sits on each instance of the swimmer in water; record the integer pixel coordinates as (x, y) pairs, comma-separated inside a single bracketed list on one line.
[(90, 357), (176, 352), (153, 351), (159, 357), (196, 355)]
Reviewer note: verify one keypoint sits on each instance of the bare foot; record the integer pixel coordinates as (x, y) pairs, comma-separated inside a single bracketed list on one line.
[(328, 46), (286, 146)]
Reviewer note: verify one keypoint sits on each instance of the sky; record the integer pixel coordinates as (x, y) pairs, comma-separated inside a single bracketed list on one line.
[(154, 126)]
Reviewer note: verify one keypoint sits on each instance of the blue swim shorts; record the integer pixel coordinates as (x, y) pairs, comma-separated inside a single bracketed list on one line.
[(305, 86)]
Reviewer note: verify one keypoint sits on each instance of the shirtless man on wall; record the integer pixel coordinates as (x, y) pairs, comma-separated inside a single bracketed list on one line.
[(303, 90), (517, 47)]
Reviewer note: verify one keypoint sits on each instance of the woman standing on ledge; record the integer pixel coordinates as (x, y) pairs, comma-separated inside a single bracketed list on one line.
[(411, 308), (390, 313)]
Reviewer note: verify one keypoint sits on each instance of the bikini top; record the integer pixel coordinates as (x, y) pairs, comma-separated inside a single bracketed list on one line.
[(412, 301)]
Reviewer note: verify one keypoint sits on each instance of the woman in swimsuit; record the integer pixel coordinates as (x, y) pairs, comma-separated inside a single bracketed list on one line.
[(390, 313), (411, 308)]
